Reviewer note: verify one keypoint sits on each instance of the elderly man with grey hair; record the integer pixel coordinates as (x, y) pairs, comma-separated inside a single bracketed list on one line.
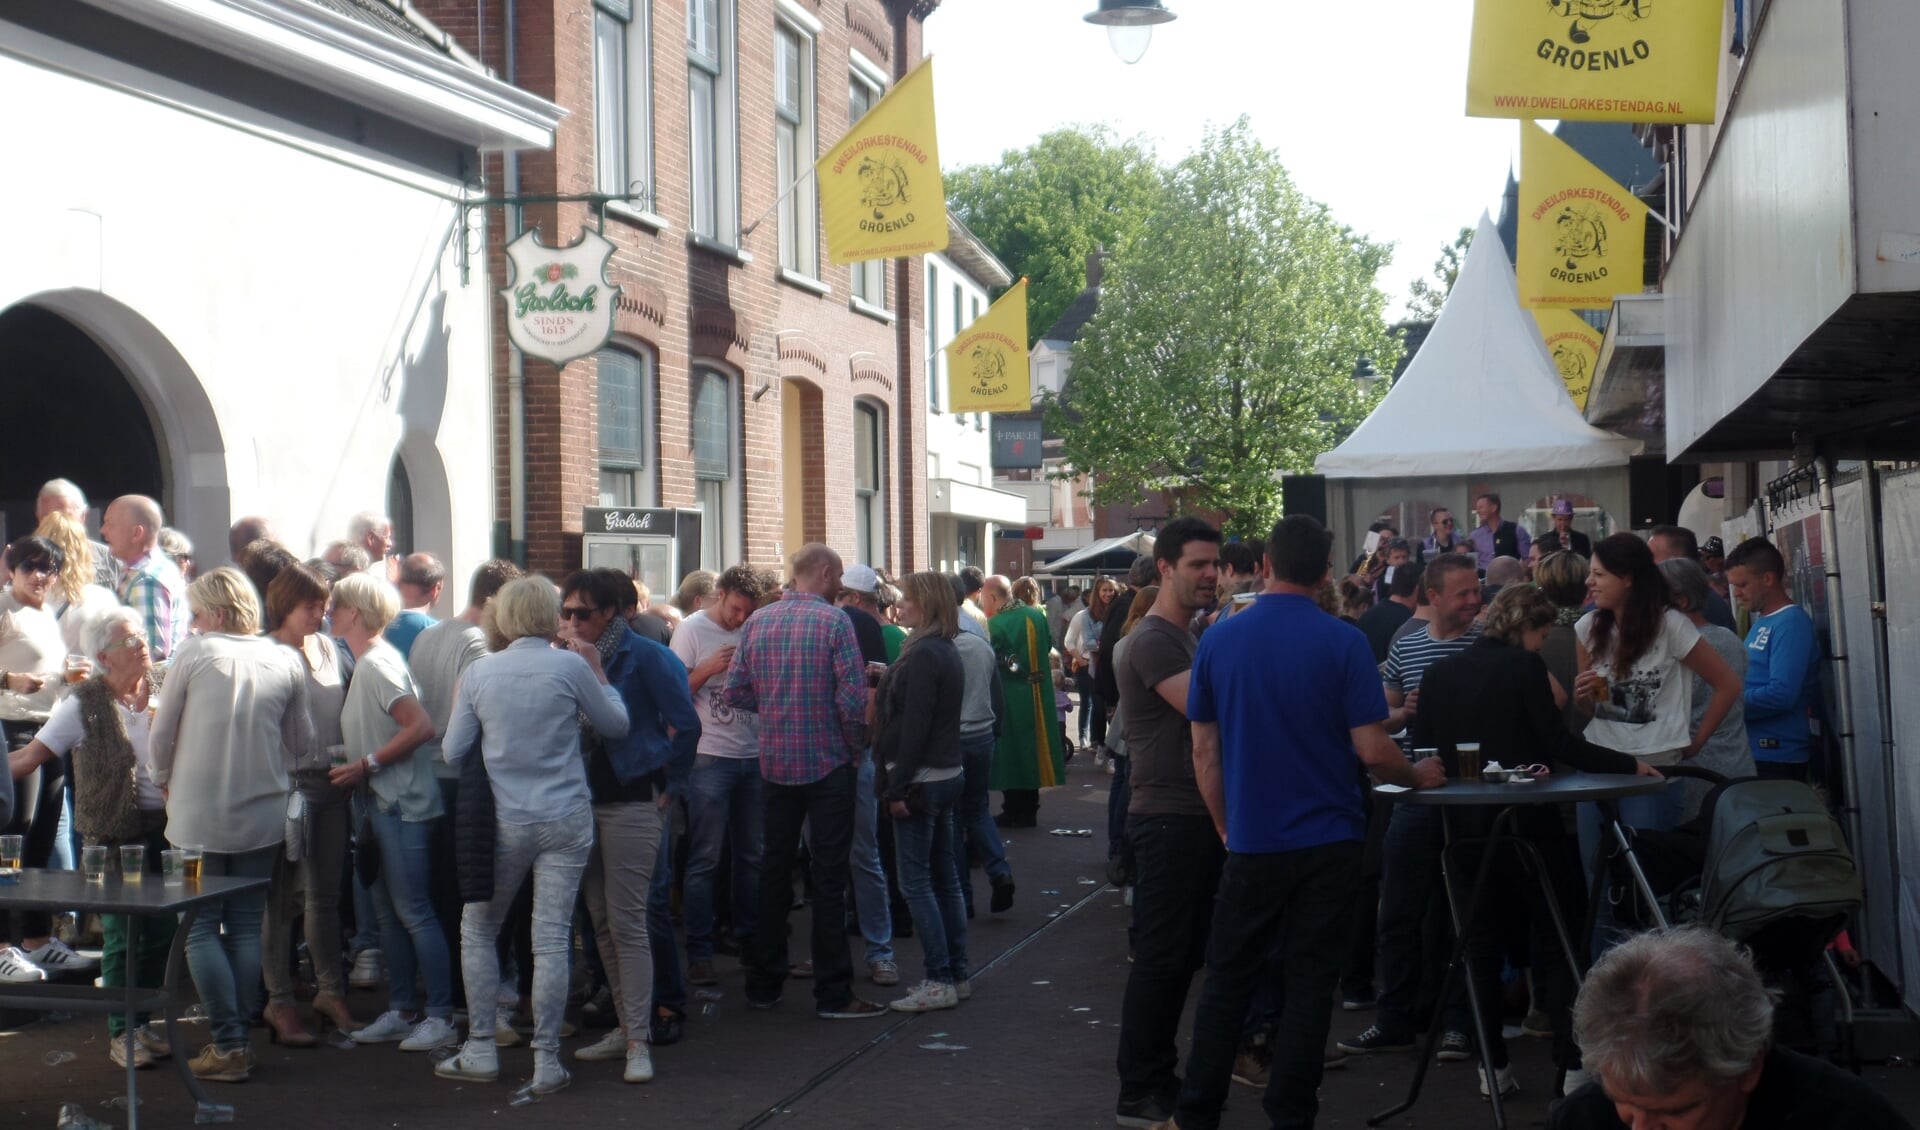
[(66, 497), (1676, 1030), (151, 584), (373, 532)]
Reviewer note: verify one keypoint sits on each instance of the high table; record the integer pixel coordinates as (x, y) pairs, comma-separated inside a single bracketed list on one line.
[(69, 890), (1558, 789)]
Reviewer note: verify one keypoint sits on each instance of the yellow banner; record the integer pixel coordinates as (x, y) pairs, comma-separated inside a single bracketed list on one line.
[(1596, 60), (1575, 347), (880, 190), (1582, 238), (987, 369)]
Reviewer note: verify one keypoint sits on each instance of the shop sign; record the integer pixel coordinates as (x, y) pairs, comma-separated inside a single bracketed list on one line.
[(559, 300)]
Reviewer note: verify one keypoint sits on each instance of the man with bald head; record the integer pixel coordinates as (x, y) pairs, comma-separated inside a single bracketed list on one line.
[(798, 666), (244, 533), (151, 584), (64, 497)]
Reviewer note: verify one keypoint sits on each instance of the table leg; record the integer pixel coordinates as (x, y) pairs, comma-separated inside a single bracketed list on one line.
[(1533, 855), (1455, 967), (130, 1034), (176, 962)]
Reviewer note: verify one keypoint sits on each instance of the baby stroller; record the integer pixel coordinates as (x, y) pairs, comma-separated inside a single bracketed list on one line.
[(1767, 865)]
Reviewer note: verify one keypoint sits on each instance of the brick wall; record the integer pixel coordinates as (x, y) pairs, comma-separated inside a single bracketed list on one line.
[(686, 305)]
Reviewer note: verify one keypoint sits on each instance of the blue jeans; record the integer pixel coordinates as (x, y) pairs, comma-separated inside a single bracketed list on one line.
[(556, 852), (226, 966), (870, 899), (930, 880), (723, 801), (669, 985), (973, 828), (1415, 928), (409, 931)]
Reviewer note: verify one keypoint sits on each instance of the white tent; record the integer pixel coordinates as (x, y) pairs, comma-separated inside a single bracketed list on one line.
[(1481, 408)]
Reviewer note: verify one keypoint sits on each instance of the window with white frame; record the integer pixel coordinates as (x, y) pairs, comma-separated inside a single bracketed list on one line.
[(713, 120), (716, 440), (623, 98), (870, 276), (869, 487), (793, 114), (627, 435)]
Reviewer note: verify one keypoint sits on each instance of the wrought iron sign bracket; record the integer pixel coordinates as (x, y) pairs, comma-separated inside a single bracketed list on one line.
[(598, 200)]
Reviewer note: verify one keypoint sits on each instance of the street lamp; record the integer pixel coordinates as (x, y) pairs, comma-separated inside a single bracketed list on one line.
[(1129, 25)]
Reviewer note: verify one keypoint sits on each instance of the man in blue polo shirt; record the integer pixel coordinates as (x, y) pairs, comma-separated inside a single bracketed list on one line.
[(1783, 661), (1286, 704)]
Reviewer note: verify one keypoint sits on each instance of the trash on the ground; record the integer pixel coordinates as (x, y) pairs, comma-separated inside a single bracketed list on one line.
[(523, 1095), (56, 1058), (212, 1114), (941, 1046), (709, 1009), (938, 1036), (119, 1102), (73, 1116), (1049, 891), (1071, 832), (1043, 982), (1088, 882), (342, 1040), (709, 995), (194, 1012), (1055, 914), (1084, 1008)]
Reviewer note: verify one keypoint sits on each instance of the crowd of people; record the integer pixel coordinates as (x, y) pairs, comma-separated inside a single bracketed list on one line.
[(464, 810)]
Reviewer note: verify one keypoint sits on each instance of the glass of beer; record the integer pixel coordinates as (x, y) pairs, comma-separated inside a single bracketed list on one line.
[(93, 860), (190, 864), (173, 867), (76, 669), (11, 849), (1470, 761), (336, 756), (133, 862)]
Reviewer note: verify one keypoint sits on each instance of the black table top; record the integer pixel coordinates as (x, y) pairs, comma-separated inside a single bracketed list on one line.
[(39, 889), (1560, 788)]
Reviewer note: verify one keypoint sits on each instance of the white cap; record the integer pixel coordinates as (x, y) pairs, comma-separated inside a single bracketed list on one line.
[(860, 578)]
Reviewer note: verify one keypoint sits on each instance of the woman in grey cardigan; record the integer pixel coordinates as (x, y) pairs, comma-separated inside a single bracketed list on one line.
[(233, 701)]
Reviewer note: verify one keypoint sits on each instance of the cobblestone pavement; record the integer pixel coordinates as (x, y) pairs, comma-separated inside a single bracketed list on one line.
[(1033, 1048)]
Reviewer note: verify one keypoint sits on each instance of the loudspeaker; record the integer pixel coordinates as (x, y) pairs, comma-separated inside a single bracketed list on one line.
[(1655, 489), (1304, 494)]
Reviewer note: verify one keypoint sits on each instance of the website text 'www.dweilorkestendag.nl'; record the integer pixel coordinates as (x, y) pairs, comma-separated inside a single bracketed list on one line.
[(1597, 105)]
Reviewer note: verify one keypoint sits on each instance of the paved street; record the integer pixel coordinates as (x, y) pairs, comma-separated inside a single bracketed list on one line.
[(1034, 1048)]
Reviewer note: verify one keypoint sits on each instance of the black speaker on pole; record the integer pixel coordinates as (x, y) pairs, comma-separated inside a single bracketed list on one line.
[(1304, 494)]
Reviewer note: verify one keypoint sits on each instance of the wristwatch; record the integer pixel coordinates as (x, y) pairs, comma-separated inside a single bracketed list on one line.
[(372, 763)]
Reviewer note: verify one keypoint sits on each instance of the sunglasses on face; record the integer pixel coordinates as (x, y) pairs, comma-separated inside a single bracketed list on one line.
[(126, 644), (40, 570), (1446, 521), (575, 612)]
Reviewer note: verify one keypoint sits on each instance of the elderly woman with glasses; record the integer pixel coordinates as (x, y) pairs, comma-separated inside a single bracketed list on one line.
[(523, 706), (104, 727), (233, 708), (33, 659)]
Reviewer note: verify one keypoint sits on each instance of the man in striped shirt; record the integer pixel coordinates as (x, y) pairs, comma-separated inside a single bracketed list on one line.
[(150, 583), (798, 666)]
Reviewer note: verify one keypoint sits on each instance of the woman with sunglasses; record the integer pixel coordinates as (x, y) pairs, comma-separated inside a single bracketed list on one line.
[(33, 657), (1498, 693), (1443, 539)]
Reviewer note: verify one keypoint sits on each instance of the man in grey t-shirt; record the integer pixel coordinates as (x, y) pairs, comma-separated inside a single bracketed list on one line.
[(1177, 853)]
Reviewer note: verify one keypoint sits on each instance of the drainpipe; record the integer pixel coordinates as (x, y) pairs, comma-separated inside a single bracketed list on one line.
[(1842, 684), (1883, 690), (516, 364)]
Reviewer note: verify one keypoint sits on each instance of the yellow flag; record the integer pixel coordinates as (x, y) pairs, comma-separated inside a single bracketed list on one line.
[(880, 189), (1575, 346), (987, 369), (1596, 60), (1582, 238)]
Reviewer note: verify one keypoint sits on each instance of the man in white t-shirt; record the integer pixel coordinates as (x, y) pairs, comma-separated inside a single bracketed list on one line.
[(724, 792)]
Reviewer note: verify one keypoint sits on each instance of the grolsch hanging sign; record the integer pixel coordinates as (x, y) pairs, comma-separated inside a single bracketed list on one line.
[(1596, 60), (559, 301)]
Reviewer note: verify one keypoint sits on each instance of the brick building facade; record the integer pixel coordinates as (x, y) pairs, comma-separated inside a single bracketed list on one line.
[(747, 375)]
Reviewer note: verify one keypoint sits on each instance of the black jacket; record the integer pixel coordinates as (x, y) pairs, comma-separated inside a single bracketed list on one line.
[(473, 828), (1104, 683), (1497, 694), (917, 717)]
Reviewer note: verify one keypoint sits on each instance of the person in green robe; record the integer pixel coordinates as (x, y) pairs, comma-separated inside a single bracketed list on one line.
[(1027, 757)]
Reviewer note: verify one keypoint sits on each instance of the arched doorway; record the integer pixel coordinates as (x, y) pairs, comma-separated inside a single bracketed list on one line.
[(75, 415)]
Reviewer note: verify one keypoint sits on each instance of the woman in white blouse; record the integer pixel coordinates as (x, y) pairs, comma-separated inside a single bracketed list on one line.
[(32, 678), (232, 702)]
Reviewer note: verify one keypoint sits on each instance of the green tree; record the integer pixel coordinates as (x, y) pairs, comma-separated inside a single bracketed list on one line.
[(1045, 208), (1224, 350), (1424, 299)]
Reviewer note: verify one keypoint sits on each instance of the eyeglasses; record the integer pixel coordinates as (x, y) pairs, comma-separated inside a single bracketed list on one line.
[(576, 612), (126, 644), (41, 570), (1446, 521)]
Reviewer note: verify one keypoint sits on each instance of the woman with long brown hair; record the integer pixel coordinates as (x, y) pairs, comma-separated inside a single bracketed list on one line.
[(1082, 643)]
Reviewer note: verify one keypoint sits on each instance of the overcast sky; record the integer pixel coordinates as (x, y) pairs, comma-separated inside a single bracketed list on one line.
[(1363, 101)]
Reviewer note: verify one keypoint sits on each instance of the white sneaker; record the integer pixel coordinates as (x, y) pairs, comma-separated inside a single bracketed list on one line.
[(639, 1064), (59, 957), (429, 1034), (963, 989), (154, 1042), (926, 997), (15, 969), (389, 1028), (1508, 1084), (611, 1046), (548, 1075), (367, 970), (476, 1062), (1576, 1078)]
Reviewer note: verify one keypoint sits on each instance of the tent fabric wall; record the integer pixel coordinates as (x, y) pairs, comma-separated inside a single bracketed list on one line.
[(1353, 503), (1900, 542)]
